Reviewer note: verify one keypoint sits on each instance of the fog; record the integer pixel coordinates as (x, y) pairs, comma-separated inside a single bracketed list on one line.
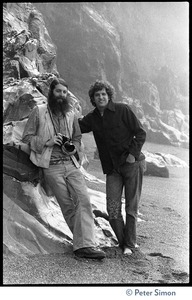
[(156, 33)]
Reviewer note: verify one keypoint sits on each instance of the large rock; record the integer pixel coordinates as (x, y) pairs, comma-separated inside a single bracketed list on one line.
[(176, 119), (157, 164), (19, 100), (28, 48), (33, 223), (174, 130)]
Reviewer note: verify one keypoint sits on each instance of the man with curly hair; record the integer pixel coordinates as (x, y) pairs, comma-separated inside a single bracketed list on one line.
[(119, 137)]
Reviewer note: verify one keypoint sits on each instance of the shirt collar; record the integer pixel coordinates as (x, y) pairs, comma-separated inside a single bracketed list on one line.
[(110, 106)]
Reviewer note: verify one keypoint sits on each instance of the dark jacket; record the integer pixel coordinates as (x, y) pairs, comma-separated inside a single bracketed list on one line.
[(117, 133)]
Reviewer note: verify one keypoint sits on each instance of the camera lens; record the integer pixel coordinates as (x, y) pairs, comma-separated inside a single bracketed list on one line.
[(65, 139), (69, 146)]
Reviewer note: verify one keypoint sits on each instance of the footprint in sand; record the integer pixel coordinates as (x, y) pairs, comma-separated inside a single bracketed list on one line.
[(169, 209)]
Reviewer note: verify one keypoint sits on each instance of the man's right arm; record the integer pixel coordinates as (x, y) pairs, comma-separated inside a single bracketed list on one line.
[(30, 132), (85, 124)]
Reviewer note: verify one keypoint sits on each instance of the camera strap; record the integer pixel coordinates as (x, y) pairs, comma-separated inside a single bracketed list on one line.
[(50, 113), (73, 158), (67, 125), (51, 116)]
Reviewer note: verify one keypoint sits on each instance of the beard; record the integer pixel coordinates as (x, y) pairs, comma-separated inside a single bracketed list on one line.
[(59, 104)]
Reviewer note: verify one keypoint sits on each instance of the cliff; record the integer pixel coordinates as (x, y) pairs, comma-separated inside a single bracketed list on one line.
[(135, 46)]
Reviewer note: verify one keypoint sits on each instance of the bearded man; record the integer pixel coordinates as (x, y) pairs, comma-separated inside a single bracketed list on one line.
[(54, 137)]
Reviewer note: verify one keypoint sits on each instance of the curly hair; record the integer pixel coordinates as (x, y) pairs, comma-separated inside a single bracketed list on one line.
[(99, 85)]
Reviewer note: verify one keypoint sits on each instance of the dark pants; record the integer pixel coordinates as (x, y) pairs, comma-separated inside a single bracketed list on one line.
[(128, 176)]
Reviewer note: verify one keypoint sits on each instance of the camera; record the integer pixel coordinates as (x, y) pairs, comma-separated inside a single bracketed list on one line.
[(67, 144)]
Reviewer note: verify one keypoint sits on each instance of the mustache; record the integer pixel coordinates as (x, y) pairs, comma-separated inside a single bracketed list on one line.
[(60, 98)]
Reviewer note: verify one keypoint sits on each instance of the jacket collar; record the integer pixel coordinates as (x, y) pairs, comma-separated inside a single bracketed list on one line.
[(110, 106)]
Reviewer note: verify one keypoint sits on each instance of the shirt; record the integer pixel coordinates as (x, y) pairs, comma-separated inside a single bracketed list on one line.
[(61, 127), (117, 133)]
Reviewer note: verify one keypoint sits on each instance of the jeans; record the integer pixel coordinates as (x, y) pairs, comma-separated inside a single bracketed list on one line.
[(68, 185), (128, 176)]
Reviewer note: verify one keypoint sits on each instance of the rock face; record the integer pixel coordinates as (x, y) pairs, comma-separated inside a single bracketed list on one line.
[(98, 47), (28, 48), (111, 41), (32, 221), (88, 45)]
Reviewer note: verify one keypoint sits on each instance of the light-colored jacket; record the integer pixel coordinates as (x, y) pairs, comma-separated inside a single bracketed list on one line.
[(37, 136)]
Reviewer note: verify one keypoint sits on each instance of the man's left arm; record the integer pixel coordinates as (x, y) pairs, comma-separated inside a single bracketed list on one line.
[(139, 134)]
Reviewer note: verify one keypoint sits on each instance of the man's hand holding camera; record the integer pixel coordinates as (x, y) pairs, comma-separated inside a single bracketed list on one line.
[(66, 145), (56, 139)]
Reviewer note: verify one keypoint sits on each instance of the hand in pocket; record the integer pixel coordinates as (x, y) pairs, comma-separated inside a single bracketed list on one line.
[(130, 158)]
